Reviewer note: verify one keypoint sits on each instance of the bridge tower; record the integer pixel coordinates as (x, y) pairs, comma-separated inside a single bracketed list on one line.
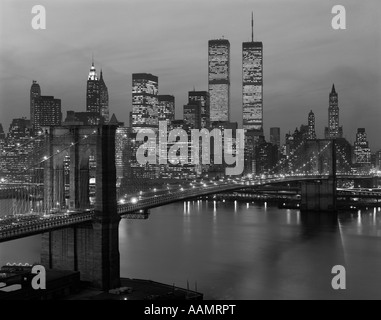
[(320, 195), (92, 248)]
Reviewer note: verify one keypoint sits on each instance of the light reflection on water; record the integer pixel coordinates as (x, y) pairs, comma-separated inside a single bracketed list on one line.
[(237, 250)]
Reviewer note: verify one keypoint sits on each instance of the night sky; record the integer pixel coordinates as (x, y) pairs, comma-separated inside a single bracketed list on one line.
[(303, 55)]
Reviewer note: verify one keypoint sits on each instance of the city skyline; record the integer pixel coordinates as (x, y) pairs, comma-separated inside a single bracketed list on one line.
[(356, 83)]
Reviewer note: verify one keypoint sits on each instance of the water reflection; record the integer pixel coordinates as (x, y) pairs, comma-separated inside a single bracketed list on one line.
[(238, 250)]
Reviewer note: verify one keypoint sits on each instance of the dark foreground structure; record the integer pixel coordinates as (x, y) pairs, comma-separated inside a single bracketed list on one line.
[(16, 284)]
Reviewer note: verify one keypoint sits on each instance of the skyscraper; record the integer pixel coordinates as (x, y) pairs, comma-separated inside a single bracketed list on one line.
[(219, 79), (361, 148), (103, 99), (17, 150), (47, 112), (192, 114), (333, 131), (166, 109), (97, 95), (2, 134), (275, 136), (311, 126), (252, 84), (204, 99), (35, 92), (145, 88), (2, 144), (92, 91)]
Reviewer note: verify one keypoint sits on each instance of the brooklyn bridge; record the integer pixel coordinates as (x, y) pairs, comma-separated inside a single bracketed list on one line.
[(79, 222)]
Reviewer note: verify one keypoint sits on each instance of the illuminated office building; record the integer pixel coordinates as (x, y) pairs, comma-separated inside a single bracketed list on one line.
[(166, 108), (122, 148), (2, 134), (103, 99), (192, 114), (144, 101), (35, 92), (361, 148), (311, 126), (333, 131), (219, 79), (92, 91), (252, 84), (203, 98), (97, 99), (144, 116), (17, 150), (47, 112)]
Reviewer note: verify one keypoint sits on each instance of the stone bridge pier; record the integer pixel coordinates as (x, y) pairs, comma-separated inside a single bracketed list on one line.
[(91, 248), (320, 195)]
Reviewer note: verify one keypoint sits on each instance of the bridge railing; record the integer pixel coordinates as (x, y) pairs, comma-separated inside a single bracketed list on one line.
[(40, 224)]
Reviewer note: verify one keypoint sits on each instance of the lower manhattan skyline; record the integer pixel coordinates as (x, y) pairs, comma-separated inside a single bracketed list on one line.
[(188, 150), (303, 56)]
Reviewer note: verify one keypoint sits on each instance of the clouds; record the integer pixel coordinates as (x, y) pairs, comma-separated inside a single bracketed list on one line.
[(303, 55)]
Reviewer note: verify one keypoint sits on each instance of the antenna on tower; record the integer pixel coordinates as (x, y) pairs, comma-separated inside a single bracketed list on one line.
[(92, 58), (252, 26)]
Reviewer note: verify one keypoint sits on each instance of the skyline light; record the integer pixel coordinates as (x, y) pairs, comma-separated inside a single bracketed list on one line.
[(252, 85), (219, 79), (303, 57)]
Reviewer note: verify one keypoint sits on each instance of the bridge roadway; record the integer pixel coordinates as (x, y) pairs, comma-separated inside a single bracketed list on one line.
[(25, 225), (20, 226)]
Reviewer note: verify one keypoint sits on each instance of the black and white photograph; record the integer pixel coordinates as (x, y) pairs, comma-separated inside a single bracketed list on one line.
[(190, 154)]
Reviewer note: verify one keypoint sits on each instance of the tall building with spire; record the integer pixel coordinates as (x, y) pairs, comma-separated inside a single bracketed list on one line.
[(333, 131), (97, 100), (219, 79), (311, 135), (92, 91), (252, 83), (35, 92), (103, 98)]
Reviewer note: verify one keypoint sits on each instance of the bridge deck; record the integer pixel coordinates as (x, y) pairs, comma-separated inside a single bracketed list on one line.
[(31, 224)]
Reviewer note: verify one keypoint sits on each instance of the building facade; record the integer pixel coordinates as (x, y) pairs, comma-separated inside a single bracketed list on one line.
[(103, 99), (166, 108), (361, 150), (204, 99), (219, 79), (275, 136), (311, 126), (333, 131), (97, 98), (252, 85), (35, 92), (47, 112), (192, 114), (92, 91), (145, 87)]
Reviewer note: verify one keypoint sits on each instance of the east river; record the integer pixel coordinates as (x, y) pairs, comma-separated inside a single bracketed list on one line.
[(239, 250)]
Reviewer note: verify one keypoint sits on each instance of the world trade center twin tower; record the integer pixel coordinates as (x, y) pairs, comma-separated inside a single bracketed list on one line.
[(252, 82)]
